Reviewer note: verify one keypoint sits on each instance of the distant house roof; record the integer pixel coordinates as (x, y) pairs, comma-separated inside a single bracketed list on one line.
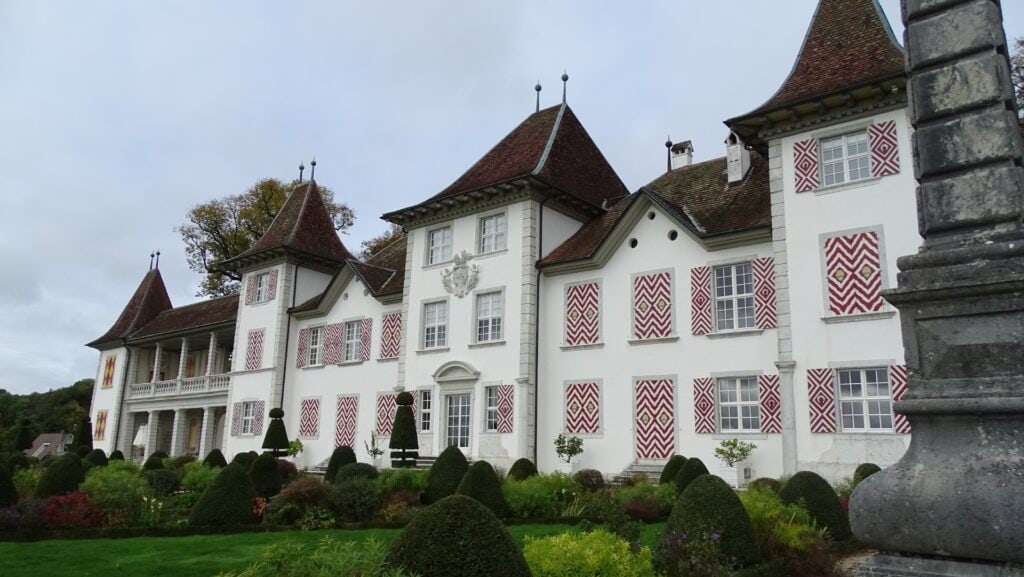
[(48, 444), (210, 312), (149, 300)]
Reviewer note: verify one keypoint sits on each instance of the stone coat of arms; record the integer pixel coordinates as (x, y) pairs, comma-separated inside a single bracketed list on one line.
[(462, 277)]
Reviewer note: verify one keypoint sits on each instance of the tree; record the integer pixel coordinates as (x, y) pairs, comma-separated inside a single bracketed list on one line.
[(223, 228), (24, 437), (403, 434), (1017, 73), (374, 245)]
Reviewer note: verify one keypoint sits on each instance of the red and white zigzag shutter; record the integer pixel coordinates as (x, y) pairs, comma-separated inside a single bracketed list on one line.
[(236, 418), (506, 408), (704, 405), (898, 382), (805, 165), (258, 414), (250, 289), (885, 150), (700, 300), (272, 282), (309, 418), (302, 349), (365, 339), (764, 293), (332, 344), (771, 403), (582, 408), (854, 273), (655, 419), (390, 335), (345, 421), (386, 407), (652, 305), (254, 350), (821, 400), (582, 313)]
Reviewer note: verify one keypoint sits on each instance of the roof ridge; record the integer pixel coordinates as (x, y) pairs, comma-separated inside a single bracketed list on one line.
[(310, 187), (364, 263), (147, 281), (551, 139), (202, 302)]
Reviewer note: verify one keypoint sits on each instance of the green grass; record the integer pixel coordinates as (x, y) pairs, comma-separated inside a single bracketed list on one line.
[(195, 556)]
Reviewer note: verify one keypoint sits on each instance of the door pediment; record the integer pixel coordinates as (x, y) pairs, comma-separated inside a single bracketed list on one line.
[(456, 372)]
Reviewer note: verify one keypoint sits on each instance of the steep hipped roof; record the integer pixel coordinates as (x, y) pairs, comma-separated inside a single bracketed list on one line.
[(197, 315), (149, 300)]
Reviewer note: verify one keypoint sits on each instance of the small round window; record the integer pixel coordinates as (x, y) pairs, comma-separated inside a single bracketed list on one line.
[(633, 242), (650, 215), (672, 235)]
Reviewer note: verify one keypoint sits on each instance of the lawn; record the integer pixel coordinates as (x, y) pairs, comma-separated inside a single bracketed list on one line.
[(196, 556)]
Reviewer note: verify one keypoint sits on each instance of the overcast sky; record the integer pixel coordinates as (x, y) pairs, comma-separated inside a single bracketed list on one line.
[(117, 117)]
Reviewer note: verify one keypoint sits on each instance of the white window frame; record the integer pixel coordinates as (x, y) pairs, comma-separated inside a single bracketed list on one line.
[(449, 421), (844, 160), (261, 285), (426, 410), (315, 346), (441, 253), (735, 299), (352, 347), (747, 412), (846, 400), (496, 240), (492, 318), (491, 403), (440, 328), (247, 424)]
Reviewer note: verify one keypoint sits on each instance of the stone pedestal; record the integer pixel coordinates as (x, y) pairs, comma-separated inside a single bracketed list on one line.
[(887, 565)]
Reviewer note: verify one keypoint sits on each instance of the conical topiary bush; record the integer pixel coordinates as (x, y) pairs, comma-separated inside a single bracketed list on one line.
[(276, 439), (404, 441), (445, 475), (819, 498), (522, 469), (215, 459), (863, 471), (265, 475), (690, 470), (8, 491), (668, 474), (227, 501), (116, 455), (341, 456), (710, 509), (481, 483), (97, 457)]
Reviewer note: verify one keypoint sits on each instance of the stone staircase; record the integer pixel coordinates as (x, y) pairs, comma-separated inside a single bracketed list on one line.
[(422, 462), (651, 470)]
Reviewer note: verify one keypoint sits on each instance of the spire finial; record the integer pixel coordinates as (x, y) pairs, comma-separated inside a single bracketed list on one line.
[(565, 81), (668, 153), (301, 168), (157, 265), (312, 169), (538, 88), (151, 255)]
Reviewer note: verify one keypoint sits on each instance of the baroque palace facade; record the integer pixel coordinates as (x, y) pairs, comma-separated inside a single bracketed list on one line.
[(535, 296)]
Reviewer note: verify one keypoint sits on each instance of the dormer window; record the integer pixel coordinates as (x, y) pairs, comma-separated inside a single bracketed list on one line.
[(439, 245)]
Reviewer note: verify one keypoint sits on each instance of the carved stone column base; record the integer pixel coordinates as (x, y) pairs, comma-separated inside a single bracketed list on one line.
[(894, 565)]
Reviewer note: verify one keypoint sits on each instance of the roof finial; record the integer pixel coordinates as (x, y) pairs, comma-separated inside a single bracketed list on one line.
[(565, 80), (301, 168), (668, 154), (151, 255), (538, 88), (312, 169), (157, 266)]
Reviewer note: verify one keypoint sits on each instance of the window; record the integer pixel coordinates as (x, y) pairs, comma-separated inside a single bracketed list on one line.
[(426, 404), (458, 420), (734, 297), (262, 287), (435, 325), (248, 417), (492, 233), (491, 417), (316, 345), (865, 402), (439, 245), (353, 337), (489, 310), (845, 158), (738, 404)]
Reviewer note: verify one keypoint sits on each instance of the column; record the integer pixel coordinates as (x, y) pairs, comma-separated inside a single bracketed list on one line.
[(790, 457), (211, 354), (126, 436), (154, 424), (183, 359), (206, 432), (158, 356), (177, 435)]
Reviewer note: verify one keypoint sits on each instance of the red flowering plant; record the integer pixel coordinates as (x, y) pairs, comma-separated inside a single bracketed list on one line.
[(72, 511), (259, 508)]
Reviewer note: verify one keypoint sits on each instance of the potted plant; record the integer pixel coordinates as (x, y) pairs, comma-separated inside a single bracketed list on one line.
[(373, 450), (734, 453), (566, 448)]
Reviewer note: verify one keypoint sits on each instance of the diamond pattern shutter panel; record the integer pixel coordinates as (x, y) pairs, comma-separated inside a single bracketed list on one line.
[(236, 418), (821, 400), (854, 273), (700, 300), (652, 305), (582, 314), (582, 408), (655, 419), (309, 418), (390, 335), (885, 151), (302, 349), (771, 403), (365, 339), (764, 293), (254, 350), (257, 421), (108, 372), (250, 289), (506, 408), (704, 406), (898, 382), (805, 165), (386, 407), (100, 430), (272, 281), (345, 421), (332, 344)]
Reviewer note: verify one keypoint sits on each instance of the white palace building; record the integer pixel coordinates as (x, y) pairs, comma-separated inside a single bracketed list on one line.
[(535, 296)]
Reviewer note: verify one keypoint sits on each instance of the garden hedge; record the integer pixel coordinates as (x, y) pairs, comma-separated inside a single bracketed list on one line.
[(355, 471), (863, 471), (819, 498), (8, 492), (481, 483), (668, 474), (97, 457), (709, 506), (522, 469), (265, 475), (457, 536), (228, 501), (63, 476), (445, 475), (690, 470), (341, 456), (215, 459)]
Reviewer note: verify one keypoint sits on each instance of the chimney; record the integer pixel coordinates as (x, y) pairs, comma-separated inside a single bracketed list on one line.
[(682, 154), (737, 158)]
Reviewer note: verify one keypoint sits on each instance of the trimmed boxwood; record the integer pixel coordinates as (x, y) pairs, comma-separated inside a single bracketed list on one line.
[(522, 469), (276, 438), (863, 471), (355, 471), (63, 476), (354, 500), (445, 475), (341, 456), (228, 500), (481, 483), (265, 475), (690, 470), (245, 459), (819, 498), (98, 458), (155, 461), (457, 536), (403, 434), (8, 492), (709, 505), (215, 459), (590, 480), (668, 474), (163, 481), (116, 455), (773, 485)]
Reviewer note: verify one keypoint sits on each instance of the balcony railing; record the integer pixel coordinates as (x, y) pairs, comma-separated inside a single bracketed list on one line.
[(172, 388)]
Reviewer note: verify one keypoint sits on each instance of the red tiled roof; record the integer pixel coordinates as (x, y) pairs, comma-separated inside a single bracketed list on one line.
[(149, 300), (205, 313), (585, 242), (383, 273)]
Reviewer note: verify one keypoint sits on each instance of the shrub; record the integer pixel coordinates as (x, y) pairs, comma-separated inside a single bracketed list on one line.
[(61, 477), (118, 490), (844, 488), (116, 455), (20, 461), (228, 501), (568, 447), (691, 469), (445, 475), (197, 476), (215, 459), (595, 554), (317, 518), (154, 462), (522, 469), (164, 482), (816, 495), (776, 523), (681, 554), (710, 507), (403, 434), (276, 438), (541, 496), (863, 471), (71, 511), (82, 451), (327, 558), (643, 509), (97, 457), (399, 507), (664, 495), (409, 480), (772, 485), (354, 500), (303, 493), (8, 492), (481, 483), (10, 519), (457, 536), (287, 470), (178, 463), (245, 459), (589, 479), (668, 474), (266, 478), (355, 471), (341, 456), (287, 514)]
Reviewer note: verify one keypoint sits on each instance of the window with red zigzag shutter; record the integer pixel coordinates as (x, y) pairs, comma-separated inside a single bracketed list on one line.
[(259, 413), (272, 287), (853, 273), (885, 152), (898, 384), (250, 289), (700, 300), (821, 400), (301, 348), (771, 403), (764, 293), (236, 418), (704, 405), (805, 165)]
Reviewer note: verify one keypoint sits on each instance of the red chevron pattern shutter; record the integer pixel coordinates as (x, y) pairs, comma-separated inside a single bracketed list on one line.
[(582, 408), (805, 165), (704, 406), (506, 408), (332, 344), (652, 305), (309, 418), (898, 382), (345, 421), (700, 300), (272, 285), (821, 400), (885, 151), (250, 289), (655, 419), (108, 372), (257, 421), (254, 350), (365, 339), (302, 349), (390, 335), (582, 314), (853, 268), (236, 418), (771, 403), (764, 293), (100, 430), (386, 407)]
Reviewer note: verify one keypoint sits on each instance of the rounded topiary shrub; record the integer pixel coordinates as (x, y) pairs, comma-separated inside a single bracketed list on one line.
[(287, 469), (709, 507), (481, 483), (245, 459), (522, 469), (773, 485), (404, 439), (8, 492), (819, 498), (62, 477), (116, 455), (83, 451), (341, 456), (276, 439), (265, 475), (215, 459), (668, 474), (97, 457), (355, 471), (155, 461), (590, 480), (163, 481), (228, 501), (457, 536), (178, 463), (690, 470), (354, 500), (445, 475), (863, 471)]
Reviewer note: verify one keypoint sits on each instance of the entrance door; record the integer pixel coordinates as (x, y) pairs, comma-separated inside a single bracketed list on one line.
[(457, 432), (655, 419)]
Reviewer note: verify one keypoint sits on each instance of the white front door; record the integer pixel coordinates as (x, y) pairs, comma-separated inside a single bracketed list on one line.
[(457, 422)]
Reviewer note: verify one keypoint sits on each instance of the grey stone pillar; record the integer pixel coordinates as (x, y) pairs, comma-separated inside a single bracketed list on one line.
[(211, 354), (158, 356), (154, 424), (957, 493), (183, 359), (206, 432), (177, 433), (790, 458)]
